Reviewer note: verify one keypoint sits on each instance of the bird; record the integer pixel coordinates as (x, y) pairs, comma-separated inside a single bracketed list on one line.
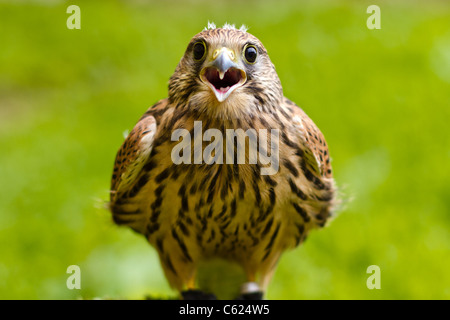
[(209, 218)]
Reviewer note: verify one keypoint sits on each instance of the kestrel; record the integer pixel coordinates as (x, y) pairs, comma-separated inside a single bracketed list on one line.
[(198, 212)]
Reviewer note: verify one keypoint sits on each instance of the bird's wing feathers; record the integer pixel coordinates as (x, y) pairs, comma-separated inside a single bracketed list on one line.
[(134, 153), (315, 147)]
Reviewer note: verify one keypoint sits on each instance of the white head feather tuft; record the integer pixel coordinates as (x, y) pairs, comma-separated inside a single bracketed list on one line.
[(243, 28), (229, 26), (212, 25)]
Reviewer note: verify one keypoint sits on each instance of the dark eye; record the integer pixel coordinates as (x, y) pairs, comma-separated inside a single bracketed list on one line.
[(250, 54), (199, 50)]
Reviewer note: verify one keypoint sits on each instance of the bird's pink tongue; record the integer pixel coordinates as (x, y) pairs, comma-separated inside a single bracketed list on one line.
[(223, 84), (230, 78)]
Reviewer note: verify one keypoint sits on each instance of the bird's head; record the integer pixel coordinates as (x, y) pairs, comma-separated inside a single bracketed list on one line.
[(227, 72)]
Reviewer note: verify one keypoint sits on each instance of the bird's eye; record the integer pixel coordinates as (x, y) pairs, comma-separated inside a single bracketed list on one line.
[(199, 50), (250, 54)]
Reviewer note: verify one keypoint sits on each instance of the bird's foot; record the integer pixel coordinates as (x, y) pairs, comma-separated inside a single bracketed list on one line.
[(197, 295), (250, 291), (251, 296)]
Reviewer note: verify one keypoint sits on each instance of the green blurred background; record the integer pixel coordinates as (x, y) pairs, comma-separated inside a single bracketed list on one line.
[(381, 97)]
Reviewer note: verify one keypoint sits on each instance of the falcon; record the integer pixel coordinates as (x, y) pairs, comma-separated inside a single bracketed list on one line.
[(223, 223)]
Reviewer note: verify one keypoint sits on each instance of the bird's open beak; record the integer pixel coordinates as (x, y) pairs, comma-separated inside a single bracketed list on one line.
[(223, 75)]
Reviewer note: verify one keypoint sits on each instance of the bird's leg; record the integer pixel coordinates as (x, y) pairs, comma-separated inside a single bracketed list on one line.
[(251, 291), (194, 294)]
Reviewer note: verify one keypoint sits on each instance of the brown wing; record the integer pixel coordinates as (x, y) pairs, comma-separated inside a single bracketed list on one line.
[(316, 149), (134, 153)]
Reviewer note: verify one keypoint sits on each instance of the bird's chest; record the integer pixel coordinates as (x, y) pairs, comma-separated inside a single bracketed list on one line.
[(214, 190), (220, 207)]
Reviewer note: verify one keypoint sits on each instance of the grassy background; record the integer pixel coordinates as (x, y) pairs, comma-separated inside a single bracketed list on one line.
[(381, 97)]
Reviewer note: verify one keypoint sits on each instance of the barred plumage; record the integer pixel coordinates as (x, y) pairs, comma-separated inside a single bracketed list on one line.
[(195, 212)]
